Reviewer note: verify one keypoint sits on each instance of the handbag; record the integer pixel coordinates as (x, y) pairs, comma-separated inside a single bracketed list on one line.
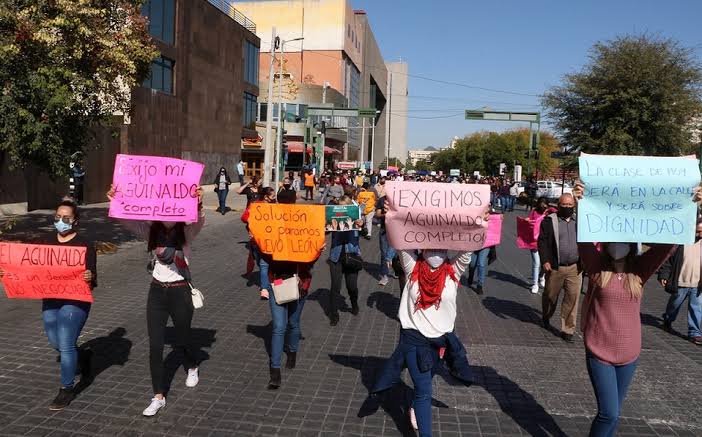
[(286, 290), (352, 261), (198, 298)]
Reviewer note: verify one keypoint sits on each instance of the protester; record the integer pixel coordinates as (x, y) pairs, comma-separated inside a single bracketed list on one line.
[(64, 318), (240, 172), (309, 185), (285, 335), (287, 193), (387, 253), (221, 183), (681, 276), (513, 193), (427, 316), (266, 195), (344, 257), (536, 216), (250, 190), (367, 201), (479, 264), (611, 319), (169, 295), (559, 257), (333, 192)]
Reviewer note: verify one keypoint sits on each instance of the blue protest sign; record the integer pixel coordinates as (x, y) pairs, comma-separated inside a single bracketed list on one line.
[(633, 199)]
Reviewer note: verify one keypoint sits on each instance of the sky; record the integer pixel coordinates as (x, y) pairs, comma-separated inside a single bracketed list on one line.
[(521, 47)]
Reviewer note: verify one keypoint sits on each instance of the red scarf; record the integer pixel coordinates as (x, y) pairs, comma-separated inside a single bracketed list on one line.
[(431, 283)]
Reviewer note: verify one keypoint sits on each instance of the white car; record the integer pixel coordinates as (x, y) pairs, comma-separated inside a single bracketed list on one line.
[(552, 189)]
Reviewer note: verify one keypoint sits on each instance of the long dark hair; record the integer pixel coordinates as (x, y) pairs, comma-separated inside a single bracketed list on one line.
[(157, 230)]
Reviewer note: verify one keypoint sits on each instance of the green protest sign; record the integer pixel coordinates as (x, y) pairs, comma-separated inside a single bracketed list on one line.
[(342, 217)]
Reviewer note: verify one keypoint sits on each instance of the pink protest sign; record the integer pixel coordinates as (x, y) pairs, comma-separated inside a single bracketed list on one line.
[(526, 236), (494, 231), (427, 215), (155, 188)]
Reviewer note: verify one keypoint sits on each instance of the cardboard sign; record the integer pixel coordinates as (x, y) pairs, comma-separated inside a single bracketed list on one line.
[(637, 199), (155, 188), (44, 272), (288, 232), (341, 218), (526, 234), (424, 215), (494, 231)]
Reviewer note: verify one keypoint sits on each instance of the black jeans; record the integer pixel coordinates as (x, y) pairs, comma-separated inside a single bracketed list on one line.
[(338, 270), (163, 302)]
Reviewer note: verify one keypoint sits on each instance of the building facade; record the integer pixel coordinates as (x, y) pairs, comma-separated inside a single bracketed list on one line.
[(338, 49), (397, 107), (198, 103), (422, 155)]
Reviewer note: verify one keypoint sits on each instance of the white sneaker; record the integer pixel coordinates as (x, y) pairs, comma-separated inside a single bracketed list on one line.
[(384, 280), (535, 289), (542, 282), (413, 419), (193, 378), (156, 404)]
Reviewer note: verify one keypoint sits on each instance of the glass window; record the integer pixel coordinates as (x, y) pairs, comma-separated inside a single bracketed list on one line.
[(161, 14), (248, 113), (250, 63), (161, 75)]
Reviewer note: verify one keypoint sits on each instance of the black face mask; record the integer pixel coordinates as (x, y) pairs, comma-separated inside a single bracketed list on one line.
[(697, 238), (565, 211), (286, 186)]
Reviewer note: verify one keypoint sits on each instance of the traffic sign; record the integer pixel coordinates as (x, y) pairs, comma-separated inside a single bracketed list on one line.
[(367, 112)]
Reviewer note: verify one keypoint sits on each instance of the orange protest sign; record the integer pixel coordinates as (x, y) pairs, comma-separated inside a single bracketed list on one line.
[(288, 232), (40, 272)]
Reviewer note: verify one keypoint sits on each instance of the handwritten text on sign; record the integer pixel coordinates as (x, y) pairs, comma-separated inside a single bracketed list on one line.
[(41, 272), (426, 215), (637, 199), (155, 188), (288, 232)]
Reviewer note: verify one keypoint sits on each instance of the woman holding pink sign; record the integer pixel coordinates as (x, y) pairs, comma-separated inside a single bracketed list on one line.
[(170, 295), (64, 318), (536, 216)]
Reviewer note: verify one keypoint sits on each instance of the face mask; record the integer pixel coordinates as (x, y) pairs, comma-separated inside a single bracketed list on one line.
[(286, 186), (618, 250), (62, 227), (434, 258), (698, 238), (565, 211)]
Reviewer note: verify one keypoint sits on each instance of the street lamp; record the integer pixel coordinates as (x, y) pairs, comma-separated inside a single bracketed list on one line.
[(373, 139), (279, 161)]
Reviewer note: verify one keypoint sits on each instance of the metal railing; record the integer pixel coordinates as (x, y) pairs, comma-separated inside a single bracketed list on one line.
[(226, 7)]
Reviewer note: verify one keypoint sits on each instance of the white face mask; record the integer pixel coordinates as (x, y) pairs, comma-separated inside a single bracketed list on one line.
[(434, 257), (618, 250)]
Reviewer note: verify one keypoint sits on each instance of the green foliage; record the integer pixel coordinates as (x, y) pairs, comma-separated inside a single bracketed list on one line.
[(65, 66), (423, 165), (484, 151), (637, 96)]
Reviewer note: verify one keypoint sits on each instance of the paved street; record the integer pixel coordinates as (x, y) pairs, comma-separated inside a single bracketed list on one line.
[(529, 382)]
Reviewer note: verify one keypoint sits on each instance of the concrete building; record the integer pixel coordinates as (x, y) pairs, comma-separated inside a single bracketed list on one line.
[(198, 103), (338, 49), (422, 155), (398, 104)]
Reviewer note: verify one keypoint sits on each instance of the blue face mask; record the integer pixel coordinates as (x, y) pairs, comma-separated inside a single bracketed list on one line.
[(62, 227)]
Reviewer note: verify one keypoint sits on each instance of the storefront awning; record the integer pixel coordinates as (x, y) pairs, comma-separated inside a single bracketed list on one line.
[(298, 146)]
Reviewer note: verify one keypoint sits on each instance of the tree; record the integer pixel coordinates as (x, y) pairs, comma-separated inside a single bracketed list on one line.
[(66, 66), (423, 165), (637, 96)]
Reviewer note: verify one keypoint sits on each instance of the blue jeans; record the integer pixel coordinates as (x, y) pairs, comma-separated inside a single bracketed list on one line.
[(63, 321), (222, 196), (262, 267), (422, 395), (387, 253), (286, 320), (535, 267), (479, 264), (694, 312), (610, 384)]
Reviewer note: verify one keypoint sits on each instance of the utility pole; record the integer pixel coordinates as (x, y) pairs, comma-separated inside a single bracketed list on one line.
[(323, 136), (268, 152), (363, 142), (387, 140), (372, 143)]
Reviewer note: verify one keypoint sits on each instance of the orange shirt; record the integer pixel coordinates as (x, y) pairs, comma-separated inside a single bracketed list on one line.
[(309, 180), (367, 198)]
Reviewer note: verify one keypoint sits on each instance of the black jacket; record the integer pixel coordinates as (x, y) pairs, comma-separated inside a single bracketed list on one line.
[(548, 243), (670, 270), (226, 178)]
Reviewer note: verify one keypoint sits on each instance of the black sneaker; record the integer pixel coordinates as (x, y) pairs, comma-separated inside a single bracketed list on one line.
[(63, 399), (479, 290), (354, 309), (568, 338), (667, 326), (334, 319)]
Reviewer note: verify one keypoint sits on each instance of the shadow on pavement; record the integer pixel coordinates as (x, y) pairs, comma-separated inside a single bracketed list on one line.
[(506, 277), (657, 322), (386, 303), (113, 349), (321, 295), (264, 332), (199, 338), (512, 399), (505, 309)]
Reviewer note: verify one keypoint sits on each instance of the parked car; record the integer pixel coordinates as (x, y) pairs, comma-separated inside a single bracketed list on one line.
[(552, 189)]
